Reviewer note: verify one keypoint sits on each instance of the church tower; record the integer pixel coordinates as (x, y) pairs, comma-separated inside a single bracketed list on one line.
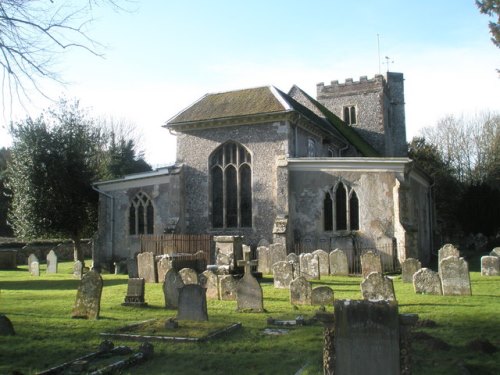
[(374, 107)]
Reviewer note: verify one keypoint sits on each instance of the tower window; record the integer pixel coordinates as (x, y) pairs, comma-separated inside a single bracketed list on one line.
[(350, 114), (141, 215)]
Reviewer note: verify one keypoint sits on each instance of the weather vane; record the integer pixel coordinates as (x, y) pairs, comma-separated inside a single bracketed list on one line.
[(388, 61)]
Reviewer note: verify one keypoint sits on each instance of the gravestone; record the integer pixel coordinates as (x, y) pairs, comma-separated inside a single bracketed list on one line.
[(188, 276), (227, 288), (51, 262), (192, 303), (495, 252), (135, 293), (446, 251), (210, 282), (32, 258), (324, 263), (293, 259), (309, 266), (370, 262), (146, 267), (408, 269), (6, 327), (377, 287), (367, 338), (78, 270), (164, 264), (35, 269), (490, 266), (171, 285), (426, 281), (228, 250), (248, 290), (277, 253), (88, 296), (338, 263), (263, 242), (454, 274), (132, 270), (322, 295), (282, 274), (264, 260), (300, 291)]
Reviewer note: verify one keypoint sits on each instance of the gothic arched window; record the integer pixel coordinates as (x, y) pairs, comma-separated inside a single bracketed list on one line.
[(231, 186), (342, 212), (141, 215)]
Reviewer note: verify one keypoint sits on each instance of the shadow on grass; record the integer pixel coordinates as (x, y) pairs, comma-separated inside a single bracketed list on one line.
[(436, 304), (37, 284)]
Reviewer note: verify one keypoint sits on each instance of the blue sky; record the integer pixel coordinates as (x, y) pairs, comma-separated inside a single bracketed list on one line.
[(166, 54)]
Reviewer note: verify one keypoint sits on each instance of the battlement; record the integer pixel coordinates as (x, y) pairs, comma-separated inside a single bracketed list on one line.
[(379, 78)]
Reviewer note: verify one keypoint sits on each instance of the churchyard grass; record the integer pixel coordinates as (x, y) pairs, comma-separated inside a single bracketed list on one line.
[(40, 310)]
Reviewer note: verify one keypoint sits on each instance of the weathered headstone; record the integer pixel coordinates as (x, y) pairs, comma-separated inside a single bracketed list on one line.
[(35, 269), (249, 295), (282, 274), (32, 258), (88, 296), (294, 260), (51, 262), (277, 253), (426, 281), (227, 288), (366, 338), (495, 252), (228, 250), (322, 295), (490, 266), (338, 263), (446, 251), (188, 276), (210, 282), (377, 287), (6, 327), (164, 264), (323, 260), (300, 291), (132, 270), (408, 269), (171, 285), (309, 266), (146, 267), (78, 270), (454, 274), (264, 265), (370, 262), (192, 303), (135, 293)]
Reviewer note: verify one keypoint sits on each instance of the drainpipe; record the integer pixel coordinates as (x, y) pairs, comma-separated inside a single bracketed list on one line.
[(112, 218)]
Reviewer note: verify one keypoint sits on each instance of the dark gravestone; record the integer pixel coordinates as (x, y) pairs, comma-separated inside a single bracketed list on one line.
[(88, 297), (192, 303), (6, 327), (249, 295), (135, 293), (366, 338), (171, 285), (132, 270)]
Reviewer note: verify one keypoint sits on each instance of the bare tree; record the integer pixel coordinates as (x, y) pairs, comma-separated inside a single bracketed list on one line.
[(32, 34)]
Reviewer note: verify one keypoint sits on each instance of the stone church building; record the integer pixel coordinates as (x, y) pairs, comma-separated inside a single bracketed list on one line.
[(330, 172)]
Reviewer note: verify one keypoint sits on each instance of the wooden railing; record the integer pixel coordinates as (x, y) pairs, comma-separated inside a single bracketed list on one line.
[(178, 245)]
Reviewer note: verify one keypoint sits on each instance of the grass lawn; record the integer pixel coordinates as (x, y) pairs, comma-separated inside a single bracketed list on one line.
[(40, 310)]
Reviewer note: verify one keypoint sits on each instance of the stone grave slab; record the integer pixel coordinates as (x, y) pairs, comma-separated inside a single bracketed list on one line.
[(249, 297), (282, 274), (51, 262), (188, 276), (210, 282), (323, 260), (277, 253), (454, 274), (146, 267), (164, 264), (377, 287), (192, 303), (32, 258), (88, 296), (135, 293), (309, 266), (132, 270), (227, 288), (263, 256), (408, 269), (294, 260), (171, 285), (338, 263), (446, 251), (426, 281), (370, 262), (35, 269), (490, 266), (300, 291), (322, 295)]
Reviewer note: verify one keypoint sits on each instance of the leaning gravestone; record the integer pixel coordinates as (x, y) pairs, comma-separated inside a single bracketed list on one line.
[(210, 282), (377, 287), (32, 258), (446, 251), (135, 293), (338, 263), (367, 338), (277, 253), (454, 274), (188, 276), (322, 295), (146, 267), (171, 285), (324, 264), (78, 270), (370, 262), (88, 296), (300, 291), (164, 264), (6, 327), (293, 259), (490, 266), (51, 262), (408, 269), (192, 303), (426, 281), (249, 295), (495, 252), (35, 269), (309, 266), (227, 288), (282, 274), (264, 260)]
